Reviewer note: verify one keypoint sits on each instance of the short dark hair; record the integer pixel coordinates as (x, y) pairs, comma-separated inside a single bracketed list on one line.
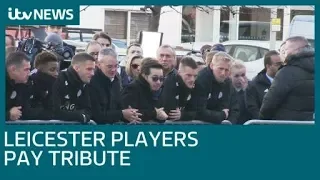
[(44, 58), (267, 57), (133, 44), (16, 59), (13, 43), (82, 57), (189, 62), (148, 64), (101, 35)]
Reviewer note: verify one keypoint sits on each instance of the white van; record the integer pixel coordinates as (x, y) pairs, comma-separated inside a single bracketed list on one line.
[(303, 25)]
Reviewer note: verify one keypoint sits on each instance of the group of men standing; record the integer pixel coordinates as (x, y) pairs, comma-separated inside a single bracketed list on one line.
[(95, 87)]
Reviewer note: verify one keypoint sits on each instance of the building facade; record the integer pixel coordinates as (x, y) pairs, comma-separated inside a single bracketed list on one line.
[(193, 23)]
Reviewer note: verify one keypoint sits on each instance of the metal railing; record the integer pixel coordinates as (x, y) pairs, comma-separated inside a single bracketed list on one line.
[(46, 122), (278, 122), (194, 122)]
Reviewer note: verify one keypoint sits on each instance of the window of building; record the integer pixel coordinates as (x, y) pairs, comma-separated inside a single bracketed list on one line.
[(116, 24), (224, 24), (139, 22), (300, 12), (188, 29), (254, 23)]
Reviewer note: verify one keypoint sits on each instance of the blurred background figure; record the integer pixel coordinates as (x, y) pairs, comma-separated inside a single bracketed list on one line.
[(204, 50), (103, 39), (132, 50), (57, 29), (56, 46), (93, 48), (10, 42), (133, 68)]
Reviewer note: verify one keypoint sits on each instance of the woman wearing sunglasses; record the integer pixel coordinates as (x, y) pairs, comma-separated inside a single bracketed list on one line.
[(142, 94), (133, 67)]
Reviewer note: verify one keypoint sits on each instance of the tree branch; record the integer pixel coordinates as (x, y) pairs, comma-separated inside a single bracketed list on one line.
[(84, 8)]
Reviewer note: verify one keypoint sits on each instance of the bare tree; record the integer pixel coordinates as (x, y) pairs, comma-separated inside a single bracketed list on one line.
[(154, 18), (155, 12)]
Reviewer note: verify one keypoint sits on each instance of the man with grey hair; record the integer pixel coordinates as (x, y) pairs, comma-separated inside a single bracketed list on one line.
[(166, 56), (105, 91), (291, 95)]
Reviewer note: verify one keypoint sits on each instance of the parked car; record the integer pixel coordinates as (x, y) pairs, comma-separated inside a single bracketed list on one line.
[(303, 25), (251, 52)]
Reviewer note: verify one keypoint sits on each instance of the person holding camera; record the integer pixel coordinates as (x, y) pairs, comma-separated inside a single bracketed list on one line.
[(70, 94)]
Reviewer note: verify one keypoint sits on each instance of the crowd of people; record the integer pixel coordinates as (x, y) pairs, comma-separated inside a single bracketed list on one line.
[(142, 89)]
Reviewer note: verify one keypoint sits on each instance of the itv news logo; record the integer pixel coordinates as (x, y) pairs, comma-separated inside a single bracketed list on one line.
[(15, 14)]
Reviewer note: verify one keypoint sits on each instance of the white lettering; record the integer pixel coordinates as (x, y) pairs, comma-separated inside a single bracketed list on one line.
[(9, 156), (116, 137), (40, 14), (195, 140)]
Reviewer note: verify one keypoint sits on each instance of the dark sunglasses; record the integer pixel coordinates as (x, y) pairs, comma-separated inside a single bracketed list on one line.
[(156, 78), (135, 66)]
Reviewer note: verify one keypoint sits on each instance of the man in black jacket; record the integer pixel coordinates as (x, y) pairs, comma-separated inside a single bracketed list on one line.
[(18, 90), (42, 80), (105, 91), (260, 85), (291, 95), (211, 96), (142, 93), (239, 90), (70, 96), (176, 93)]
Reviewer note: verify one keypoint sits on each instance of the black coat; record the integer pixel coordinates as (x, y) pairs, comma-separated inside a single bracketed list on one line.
[(175, 94), (105, 98), (210, 97), (239, 100), (291, 95), (256, 90), (19, 95), (70, 97), (138, 95), (41, 90)]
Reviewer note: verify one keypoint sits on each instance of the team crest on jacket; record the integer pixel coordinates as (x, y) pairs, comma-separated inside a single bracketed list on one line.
[(177, 84), (13, 95), (220, 95), (79, 93), (66, 83), (177, 97), (189, 97)]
